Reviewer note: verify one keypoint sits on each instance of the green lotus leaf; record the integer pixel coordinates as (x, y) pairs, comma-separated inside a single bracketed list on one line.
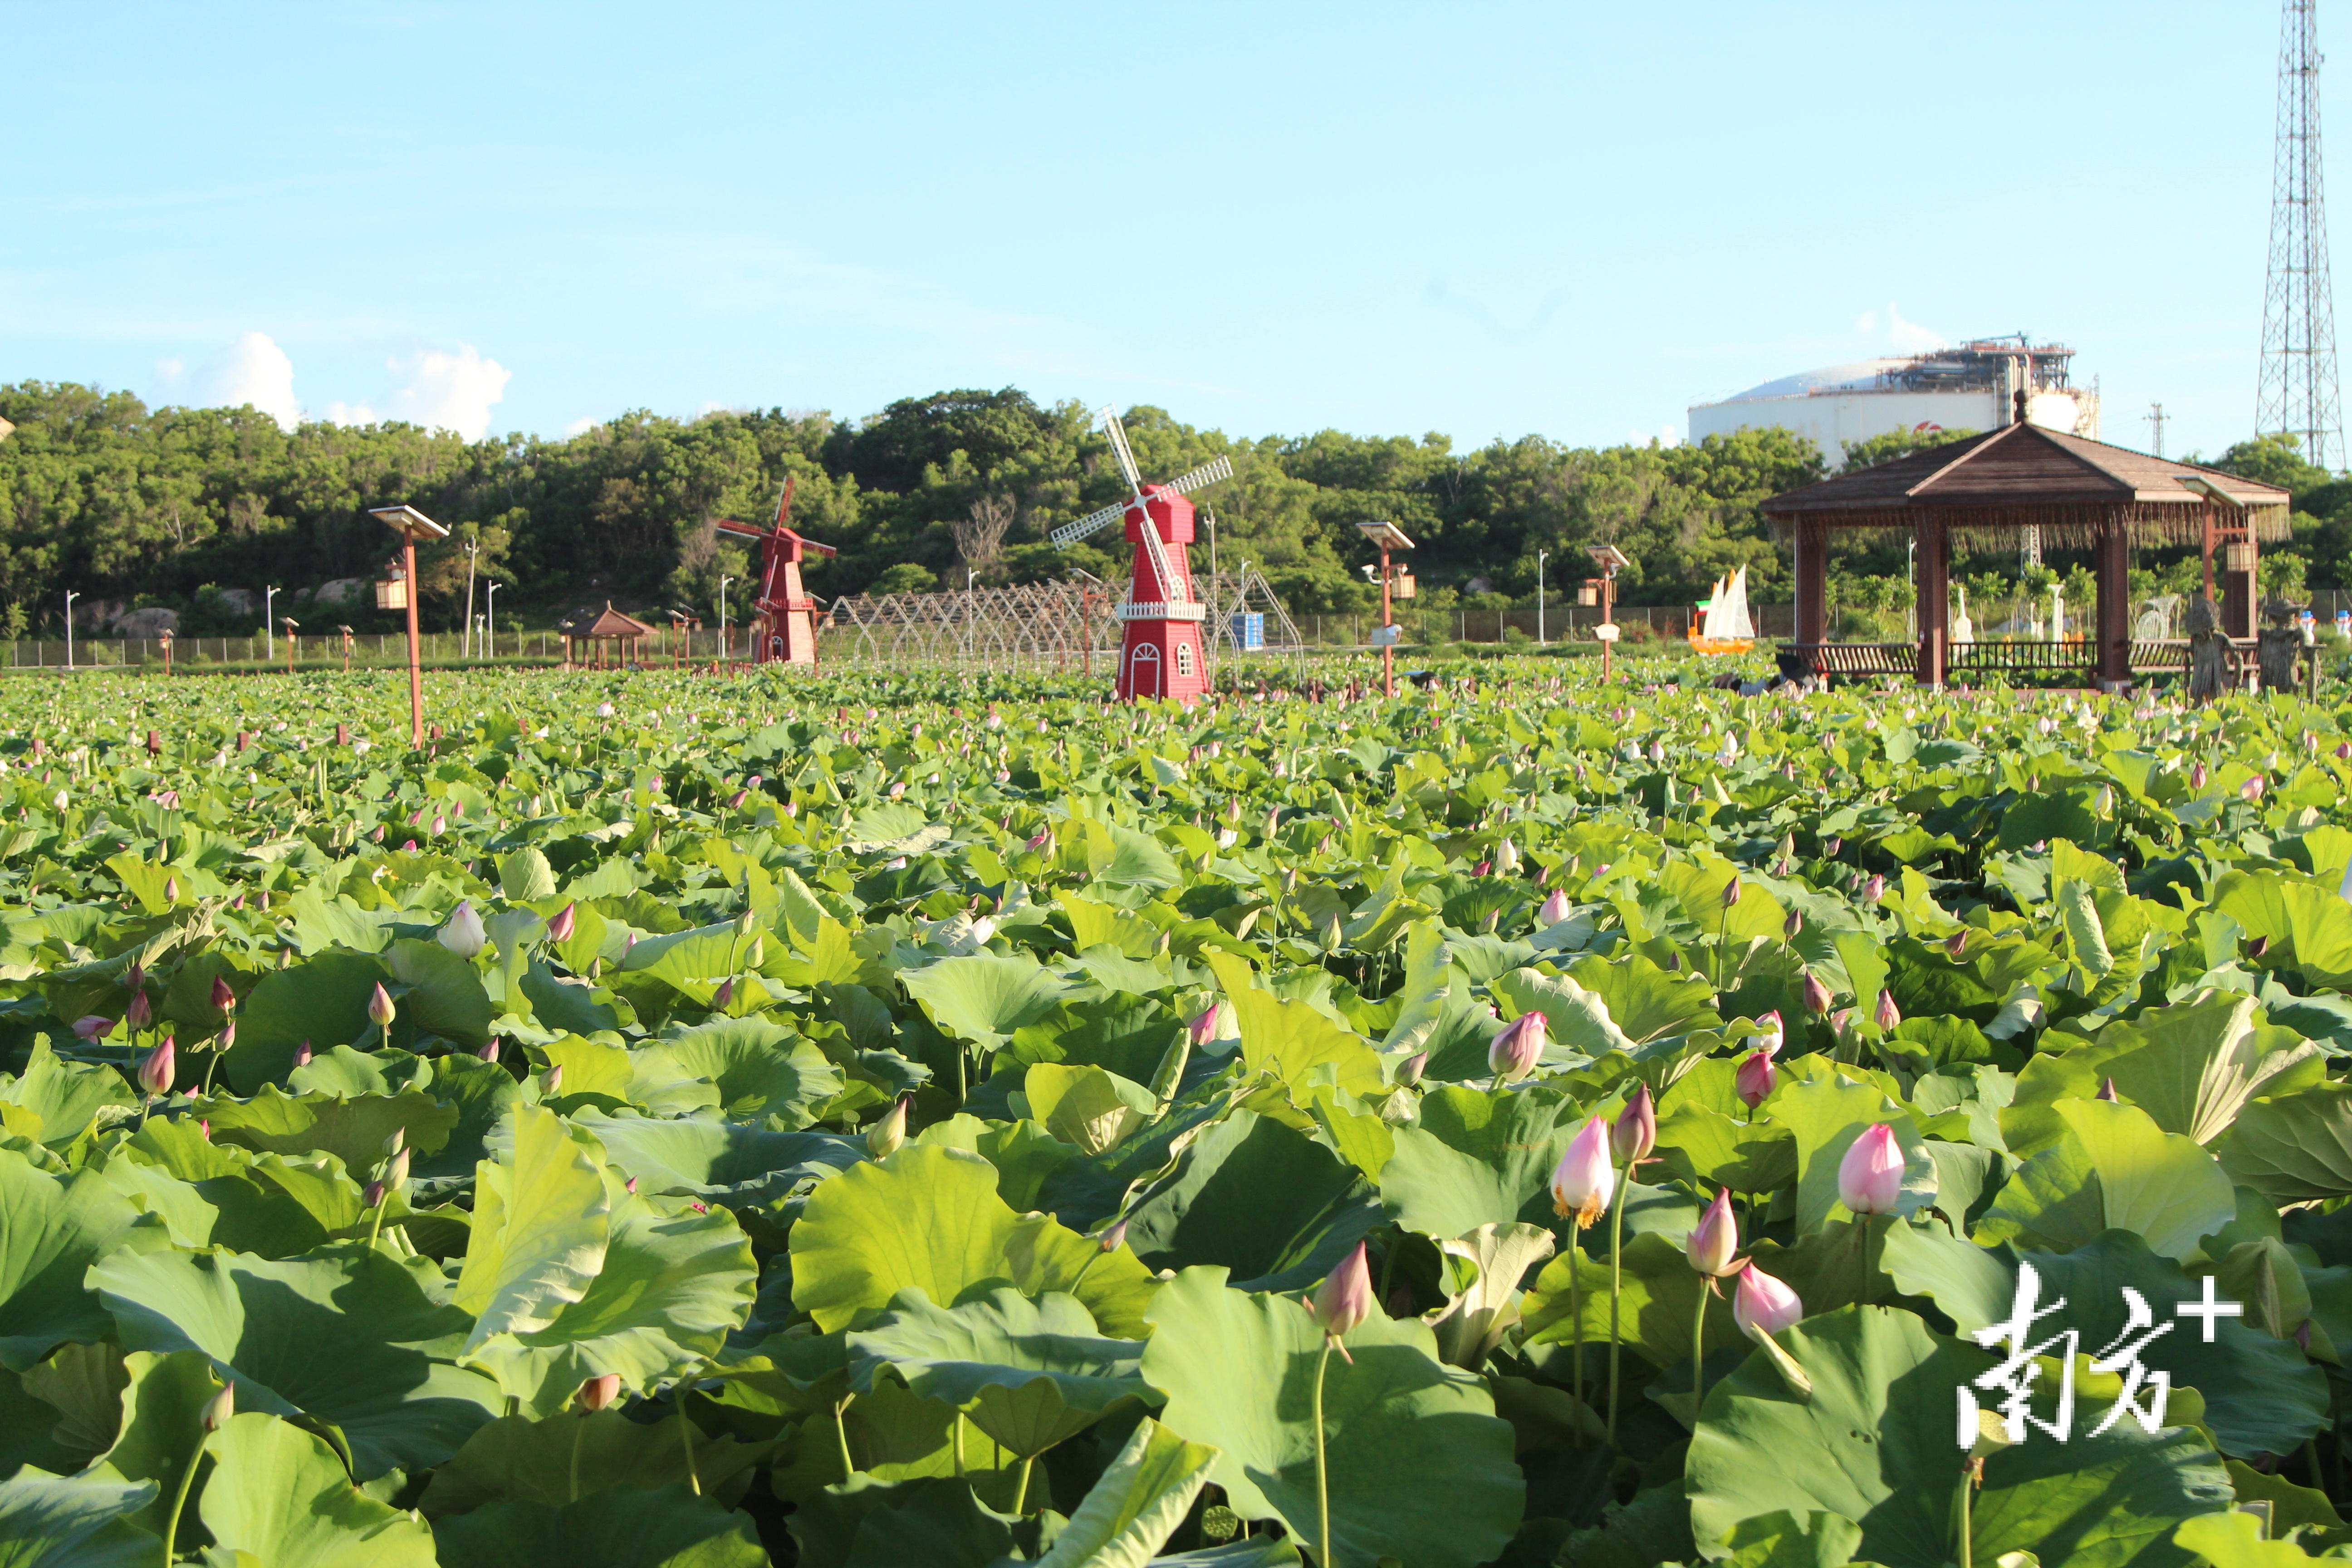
[(542, 1218), (760, 1069), (350, 1337), (444, 995), (66, 1096), (267, 1203), (323, 1000), (525, 876), (929, 1220), (2193, 1065), (160, 1419), (704, 1156), (1092, 1110), (2309, 926), (2235, 1540), (1825, 1112), (1657, 1301), (1136, 1505), (517, 1460), (1027, 1373), (635, 1527), (2115, 1170), (1700, 1143), (279, 1493), (28, 1432), (984, 997), (352, 1129), (2295, 1148), (482, 1093), (1646, 1002), (346, 1073), (671, 1287), (1257, 1198), (1130, 1036), (1291, 1039), (1474, 1158), (52, 1228), (1025, 1154), (58, 1521), (1420, 1467)]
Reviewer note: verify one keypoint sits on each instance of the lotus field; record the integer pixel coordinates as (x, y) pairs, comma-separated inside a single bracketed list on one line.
[(851, 1122)]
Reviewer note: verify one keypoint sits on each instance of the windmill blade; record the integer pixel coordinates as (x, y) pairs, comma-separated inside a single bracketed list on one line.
[(1117, 434), (739, 529), (784, 505), (1208, 473), (1069, 533)]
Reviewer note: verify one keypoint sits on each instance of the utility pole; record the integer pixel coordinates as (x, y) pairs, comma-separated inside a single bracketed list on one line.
[(722, 620), (490, 637), (472, 546), (1539, 618), (2155, 417), (2298, 392), (71, 594), (269, 603)]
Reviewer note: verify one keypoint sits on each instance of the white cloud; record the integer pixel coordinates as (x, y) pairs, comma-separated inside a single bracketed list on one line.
[(582, 426), (253, 370), (1892, 330), (1663, 437), (448, 390), (350, 414)]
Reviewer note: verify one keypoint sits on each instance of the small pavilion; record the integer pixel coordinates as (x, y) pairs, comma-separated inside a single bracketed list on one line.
[(1993, 488), (592, 642)]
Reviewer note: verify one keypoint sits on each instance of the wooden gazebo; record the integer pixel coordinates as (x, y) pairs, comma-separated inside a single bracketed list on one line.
[(602, 635), (2081, 494)]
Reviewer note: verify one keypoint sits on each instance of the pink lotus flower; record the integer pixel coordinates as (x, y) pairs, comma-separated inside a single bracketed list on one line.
[(302, 1055), (1870, 1176), (1875, 889), (551, 1080), (1554, 910), (1583, 1181), (1763, 1305), (1513, 1054), (560, 929), (1204, 1028), (139, 1015), (599, 1391), (1710, 1246), (1636, 1129), (91, 1027), (2196, 776), (224, 999), (1345, 1299), (2252, 789), (1816, 994), (1957, 945), (1409, 1072), (1755, 1080), (380, 1010), (1888, 1015), (155, 1068), (1775, 1033)]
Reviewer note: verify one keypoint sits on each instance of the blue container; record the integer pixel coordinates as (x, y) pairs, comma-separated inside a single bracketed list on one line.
[(1249, 633)]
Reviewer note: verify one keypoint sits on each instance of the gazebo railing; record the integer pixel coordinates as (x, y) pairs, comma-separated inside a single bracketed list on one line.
[(2150, 655)]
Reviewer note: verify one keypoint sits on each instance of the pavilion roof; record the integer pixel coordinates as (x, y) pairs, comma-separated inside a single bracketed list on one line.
[(2023, 475), (612, 623)]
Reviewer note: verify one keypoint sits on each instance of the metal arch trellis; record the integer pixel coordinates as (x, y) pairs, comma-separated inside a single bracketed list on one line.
[(1065, 627)]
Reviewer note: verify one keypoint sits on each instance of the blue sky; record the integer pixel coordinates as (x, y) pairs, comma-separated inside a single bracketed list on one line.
[(1570, 220)]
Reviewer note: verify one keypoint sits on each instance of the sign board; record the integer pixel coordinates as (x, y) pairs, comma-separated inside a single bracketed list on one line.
[(1605, 632), (1387, 637)]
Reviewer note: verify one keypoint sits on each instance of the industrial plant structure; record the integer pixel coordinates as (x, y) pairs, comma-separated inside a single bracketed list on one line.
[(1970, 386)]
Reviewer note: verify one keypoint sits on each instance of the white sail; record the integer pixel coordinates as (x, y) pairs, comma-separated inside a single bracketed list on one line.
[(1732, 605), (1710, 623)]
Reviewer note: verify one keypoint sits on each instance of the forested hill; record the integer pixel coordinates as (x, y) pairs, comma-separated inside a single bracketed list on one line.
[(134, 506)]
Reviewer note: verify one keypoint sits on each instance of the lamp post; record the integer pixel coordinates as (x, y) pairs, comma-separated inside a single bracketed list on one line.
[(1540, 620), (722, 620), (1609, 558), (473, 547), (71, 594), (268, 602), (411, 525), (1388, 536), (491, 635)]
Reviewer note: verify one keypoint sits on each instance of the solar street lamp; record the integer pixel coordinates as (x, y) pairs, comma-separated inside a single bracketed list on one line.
[(411, 525)]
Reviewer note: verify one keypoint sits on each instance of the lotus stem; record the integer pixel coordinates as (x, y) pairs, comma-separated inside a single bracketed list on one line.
[(1322, 1472), (686, 1441), (1698, 1351), (959, 1444), (1021, 1486), (1616, 1280), (841, 1435), (1964, 1507), (179, 1500), (1576, 1319), (578, 1435)]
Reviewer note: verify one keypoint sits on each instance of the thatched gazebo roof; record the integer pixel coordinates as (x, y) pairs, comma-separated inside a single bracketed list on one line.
[(611, 624), (2022, 476)]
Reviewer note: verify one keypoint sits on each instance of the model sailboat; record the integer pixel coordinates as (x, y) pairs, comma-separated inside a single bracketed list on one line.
[(1723, 623)]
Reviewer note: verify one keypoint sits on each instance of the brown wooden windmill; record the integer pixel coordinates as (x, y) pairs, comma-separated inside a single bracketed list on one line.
[(785, 613)]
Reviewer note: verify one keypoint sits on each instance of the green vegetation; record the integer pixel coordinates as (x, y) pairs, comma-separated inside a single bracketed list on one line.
[(853, 1122)]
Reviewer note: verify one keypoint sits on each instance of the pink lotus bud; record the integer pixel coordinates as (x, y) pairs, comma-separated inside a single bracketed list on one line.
[(462, 934), (1957, 945), (302, 1055), (753, 782), (1345, 1300), (1755, 1077), (551, 1080), (227, 1037), (724, 994), (735, 802), (889, 1135), (204, 1127), (373, 1196), (1635, 1132), (2196, 776), (2252, 788), (1515, 1052), (155, 1068), (1483, 869), (699, 1207), (440, 825), (1870, 1177), (1816, 994), (1044, 842), (224, 999), (1829, 850), (396, 1171), (1795, 923), (408, 847), (2108, 1091), (1204, 1028), (630, 1186), (1409, 1073), (1710, 1246), (1875, 889), (1583, 1181), (379, 1006), (559, 928), (1774, 1034), (1114, 1238), (92, 1028), (220, 1407), (1554, 910), (139, 1015), (2259, 946), (1762, 1305), (1888, 1014), (489, 1051), (599, 1391), (1731, 892)]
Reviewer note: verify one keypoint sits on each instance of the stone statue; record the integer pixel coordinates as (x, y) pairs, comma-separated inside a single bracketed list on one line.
[(2208, 669), (2278, 645)]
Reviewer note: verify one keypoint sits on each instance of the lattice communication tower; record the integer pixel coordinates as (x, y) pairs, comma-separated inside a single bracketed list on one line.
[(2297, 395)]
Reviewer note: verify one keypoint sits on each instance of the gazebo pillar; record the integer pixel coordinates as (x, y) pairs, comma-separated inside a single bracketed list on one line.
[(1812, 551), (2112, 559), (1934, 599)]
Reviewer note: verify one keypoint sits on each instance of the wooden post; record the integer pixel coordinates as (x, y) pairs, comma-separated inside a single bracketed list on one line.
[(2114, 564), (415, 653), (1934, 599), (1812, 583)]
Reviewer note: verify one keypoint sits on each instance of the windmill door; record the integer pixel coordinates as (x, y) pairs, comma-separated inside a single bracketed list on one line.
[(1143, 670)]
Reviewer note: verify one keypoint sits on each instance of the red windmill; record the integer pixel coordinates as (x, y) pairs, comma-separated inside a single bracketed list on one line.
[(786, 614), (1160, 646)]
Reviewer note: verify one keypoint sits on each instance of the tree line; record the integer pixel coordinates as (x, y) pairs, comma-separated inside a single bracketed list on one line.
[(169, 506)]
